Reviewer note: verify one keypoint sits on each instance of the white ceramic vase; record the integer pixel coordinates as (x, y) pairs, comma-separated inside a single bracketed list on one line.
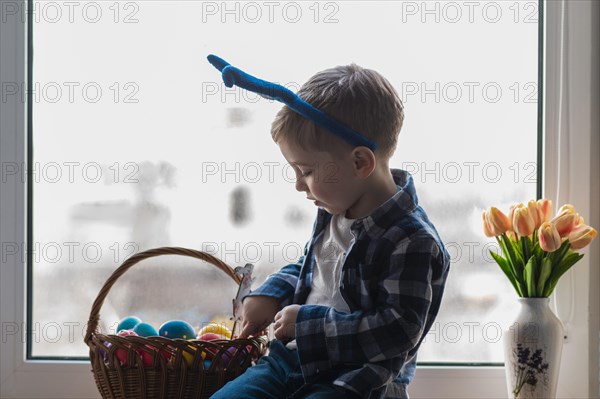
[(532, 350)]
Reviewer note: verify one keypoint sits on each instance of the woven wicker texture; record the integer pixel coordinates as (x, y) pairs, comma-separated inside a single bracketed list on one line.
[(134, 367)]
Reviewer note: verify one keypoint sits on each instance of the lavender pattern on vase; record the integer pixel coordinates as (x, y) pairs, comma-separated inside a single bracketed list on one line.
[(529, 369)]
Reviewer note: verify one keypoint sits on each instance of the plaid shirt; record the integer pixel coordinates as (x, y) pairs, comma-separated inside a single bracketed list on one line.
[(393, 279)]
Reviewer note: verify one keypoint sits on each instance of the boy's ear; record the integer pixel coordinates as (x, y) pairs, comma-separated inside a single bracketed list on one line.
[(364, 162)]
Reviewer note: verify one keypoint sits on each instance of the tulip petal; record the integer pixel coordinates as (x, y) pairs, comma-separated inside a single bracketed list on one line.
[(582, 236), (545, 206)]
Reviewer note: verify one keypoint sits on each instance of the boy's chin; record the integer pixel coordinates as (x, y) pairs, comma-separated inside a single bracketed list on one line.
[(332, 211)]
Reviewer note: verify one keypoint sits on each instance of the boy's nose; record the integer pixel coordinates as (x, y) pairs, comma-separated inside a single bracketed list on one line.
[(301, 185)]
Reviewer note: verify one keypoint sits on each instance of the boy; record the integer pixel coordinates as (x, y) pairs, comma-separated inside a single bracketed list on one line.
[(350, 315)]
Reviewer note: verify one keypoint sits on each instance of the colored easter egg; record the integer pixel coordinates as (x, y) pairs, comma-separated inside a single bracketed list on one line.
[(231, 352), (145, 330), (189, 357), (224, 320), (104, 352), (121, 353), (210, 337), (177, 329), (227, 356), (207, 364), (147, 356), (166, 354), (127, 333), (128, 323), (209, 350), (217, 329)]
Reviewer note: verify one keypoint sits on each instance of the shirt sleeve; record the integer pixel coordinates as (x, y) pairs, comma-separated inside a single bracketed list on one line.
[(282, 284), (391, 328)]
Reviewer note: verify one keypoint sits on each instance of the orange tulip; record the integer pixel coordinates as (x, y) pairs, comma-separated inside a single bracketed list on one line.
[(487, 230), (497, 221), (582, 236), (511, 214), (550, 240), (535, 213), (511, 234), (545, 207), (523, 223), (565, 208), (565, 221)]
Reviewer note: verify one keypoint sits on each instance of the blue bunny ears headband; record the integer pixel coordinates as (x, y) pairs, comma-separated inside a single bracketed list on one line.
[(235, 76)]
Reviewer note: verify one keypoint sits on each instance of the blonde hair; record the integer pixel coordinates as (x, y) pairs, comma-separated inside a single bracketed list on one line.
[(360, 98)]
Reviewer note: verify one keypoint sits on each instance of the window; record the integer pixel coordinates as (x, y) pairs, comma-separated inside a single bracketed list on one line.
[(178, 159), (158, 147)]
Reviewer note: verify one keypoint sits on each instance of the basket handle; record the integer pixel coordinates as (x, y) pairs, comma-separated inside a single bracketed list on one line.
[(92, 326)]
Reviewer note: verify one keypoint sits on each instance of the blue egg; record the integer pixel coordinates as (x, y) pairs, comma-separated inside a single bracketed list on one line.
[(207, 364), (128, 323), (145, 330), (177, 329)]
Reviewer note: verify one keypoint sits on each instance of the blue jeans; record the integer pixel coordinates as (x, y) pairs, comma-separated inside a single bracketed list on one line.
[(278, 376)]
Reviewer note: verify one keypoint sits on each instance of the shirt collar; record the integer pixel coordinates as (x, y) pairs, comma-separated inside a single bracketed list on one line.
[(397, 206), (403, 202)]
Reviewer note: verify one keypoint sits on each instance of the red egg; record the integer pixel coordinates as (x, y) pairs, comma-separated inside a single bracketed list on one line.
[(120, 353), (147, 358)]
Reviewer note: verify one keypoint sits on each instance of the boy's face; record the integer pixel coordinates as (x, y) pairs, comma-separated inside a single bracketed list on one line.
[(328, 179)]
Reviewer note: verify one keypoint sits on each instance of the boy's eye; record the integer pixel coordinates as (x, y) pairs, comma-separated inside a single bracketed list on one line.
[(307, 173)]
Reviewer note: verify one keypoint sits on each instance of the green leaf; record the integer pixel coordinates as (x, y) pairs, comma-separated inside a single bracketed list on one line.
[(503, 263), (561, 268), (516, 246), (537, 250), (515, 261), (526, 245), (545, 273), (530, 274), (558, 255)]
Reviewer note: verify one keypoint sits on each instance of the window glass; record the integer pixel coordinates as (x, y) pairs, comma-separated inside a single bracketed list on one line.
[(137, 144)]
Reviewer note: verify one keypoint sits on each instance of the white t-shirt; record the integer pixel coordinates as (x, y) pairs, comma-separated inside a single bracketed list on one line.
[(330, 254)]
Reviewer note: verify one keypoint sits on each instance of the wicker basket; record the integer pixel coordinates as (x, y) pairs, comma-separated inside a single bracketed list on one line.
[(156, 367)]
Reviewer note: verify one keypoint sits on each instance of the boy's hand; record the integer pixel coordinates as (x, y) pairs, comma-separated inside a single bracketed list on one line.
[(285, 323), (258, 312)]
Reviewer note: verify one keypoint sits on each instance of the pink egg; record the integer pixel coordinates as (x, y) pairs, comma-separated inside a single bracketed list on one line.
[(210, 337), (148, 356), (127, 333), (208, 350)]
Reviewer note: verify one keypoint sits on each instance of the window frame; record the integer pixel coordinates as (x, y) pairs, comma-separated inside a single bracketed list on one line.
[(23, 378)]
